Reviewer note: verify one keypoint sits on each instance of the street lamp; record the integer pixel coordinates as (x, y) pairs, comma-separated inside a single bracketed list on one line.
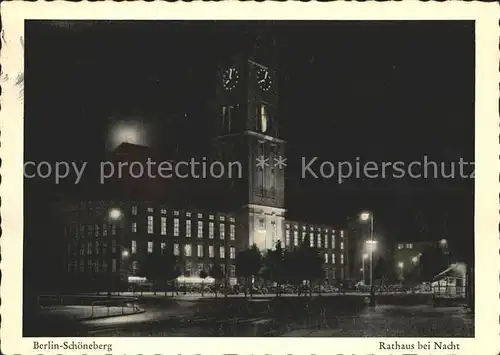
[(415, 259), (368, 216), (115, 214), (125, 253), (401, 265)]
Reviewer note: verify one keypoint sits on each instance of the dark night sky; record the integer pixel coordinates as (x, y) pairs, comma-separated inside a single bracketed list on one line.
[(383, 91)]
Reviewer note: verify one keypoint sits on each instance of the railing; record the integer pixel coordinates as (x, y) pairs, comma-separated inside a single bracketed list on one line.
[(108, 305)]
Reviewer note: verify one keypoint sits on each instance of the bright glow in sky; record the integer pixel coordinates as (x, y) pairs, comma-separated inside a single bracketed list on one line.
[(127, 131)]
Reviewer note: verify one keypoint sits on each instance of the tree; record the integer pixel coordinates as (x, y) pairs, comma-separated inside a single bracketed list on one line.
[(159, 267), (432, 262), (248, 264), (203, 276), (273, 266), (216, 273), (381, 270)]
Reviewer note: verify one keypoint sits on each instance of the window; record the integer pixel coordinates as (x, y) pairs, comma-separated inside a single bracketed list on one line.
[(82, 265), (97, 247), (187, 250), (232, 253), (188, 214), (341, 245), (211, 230), (188, 268), (163, 227), (211, 253), (409, 246), (232, 232), (188, 229), (199, 268), (82, 230), (326, 258), (333, 259), (163, 245), (341, 234), (113, 265), (200, 251), (150, 224), (232, 271), (176, 227), (318, 241), (176, 213), (222, 253), (82, 249), (333, 241), (150, 247), (231, 220), (163, 211), (104, 230), (342, 259), (134, 247), (134, 227), (211, 217), (311, 240), (113, 246), (74, 264), (135, 267), (200, 229), (96, 230), (226, 118), (89, 265), (263, 121), (89, 230), (287, 237), (150, 210), (200, 215), (89, 249), (222, 218), (400, 246), (176, 249), (295, 237), (113, 229), (222, 230), (134, 210)]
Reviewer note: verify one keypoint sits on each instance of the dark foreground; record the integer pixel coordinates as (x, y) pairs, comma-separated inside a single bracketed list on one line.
[(303, 317)]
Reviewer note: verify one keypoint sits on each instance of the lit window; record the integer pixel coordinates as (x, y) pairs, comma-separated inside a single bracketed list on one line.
[(400, 246), (287, 237), (104, 230), (134, 227), (409, 246), (211, 253), (176, 227), (341, 234), (222, 230), (134, 210), (231, 219), (200, 229), (163, 227), (326, 258), (222, 252), (333, 259), (295, 238), (187, 249), (176, 213), (311, 240), (342, 259), (222, 218), (333, 241), (163, 211), (134, 247), (232, 271), (211, 230), (150, 247), (318, 240), (188, 229), (232, 253), (200, 251), (176, 249), (150, 210), (211, 217), (200, 215), (188, 214), (163, 245), (341, 245), (232, 232), (150, 224)]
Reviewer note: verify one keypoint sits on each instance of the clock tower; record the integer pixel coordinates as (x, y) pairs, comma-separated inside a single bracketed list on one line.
[(247, 131)]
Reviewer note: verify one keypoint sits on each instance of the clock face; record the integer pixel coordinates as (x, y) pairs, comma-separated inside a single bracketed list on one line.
[(264, 79), (230, 78)]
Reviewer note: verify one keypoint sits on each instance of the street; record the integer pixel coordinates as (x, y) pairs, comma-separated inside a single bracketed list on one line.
[(322, 316)]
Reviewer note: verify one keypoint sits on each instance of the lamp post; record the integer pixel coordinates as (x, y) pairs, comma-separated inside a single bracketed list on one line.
[(365, 256), (368, 216)]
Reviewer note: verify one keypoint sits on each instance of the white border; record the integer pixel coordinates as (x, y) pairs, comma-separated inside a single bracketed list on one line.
[(487, 163)]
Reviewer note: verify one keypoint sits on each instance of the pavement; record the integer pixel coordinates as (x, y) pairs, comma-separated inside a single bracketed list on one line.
[(78, 312)]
